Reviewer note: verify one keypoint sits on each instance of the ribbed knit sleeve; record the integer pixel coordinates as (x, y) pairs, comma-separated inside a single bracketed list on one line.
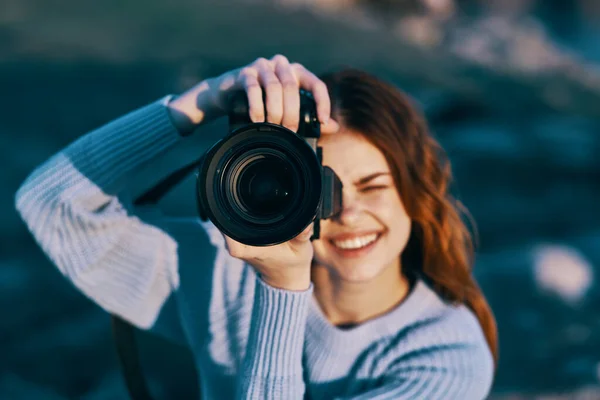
[(273, 362), (70, 205)]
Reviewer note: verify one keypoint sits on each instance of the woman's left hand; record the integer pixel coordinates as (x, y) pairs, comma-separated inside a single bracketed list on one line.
[(284, 266)]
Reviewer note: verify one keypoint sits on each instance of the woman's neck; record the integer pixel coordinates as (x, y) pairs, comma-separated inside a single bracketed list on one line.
[(352, 303)]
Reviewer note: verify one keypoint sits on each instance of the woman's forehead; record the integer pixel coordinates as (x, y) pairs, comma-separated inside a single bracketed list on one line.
[(352, 154)]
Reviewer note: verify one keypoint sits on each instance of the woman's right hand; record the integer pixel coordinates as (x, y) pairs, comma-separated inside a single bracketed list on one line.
[(286, 265), (281, 81)]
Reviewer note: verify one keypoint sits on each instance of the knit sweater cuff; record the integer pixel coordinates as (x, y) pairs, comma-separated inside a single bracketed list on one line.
[(274, 352)]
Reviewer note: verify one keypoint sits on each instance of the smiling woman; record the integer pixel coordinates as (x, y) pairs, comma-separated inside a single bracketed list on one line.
[(382, 306), (399, 222)]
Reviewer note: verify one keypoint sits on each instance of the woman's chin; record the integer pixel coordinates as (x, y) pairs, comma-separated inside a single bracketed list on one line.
[(354, 272)]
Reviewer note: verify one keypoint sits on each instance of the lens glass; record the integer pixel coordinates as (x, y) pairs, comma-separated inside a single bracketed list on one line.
[(266, 185), (261, 186)]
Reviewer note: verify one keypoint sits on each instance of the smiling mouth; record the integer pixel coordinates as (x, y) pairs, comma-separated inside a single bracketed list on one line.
[(355, 247), (357, 242)]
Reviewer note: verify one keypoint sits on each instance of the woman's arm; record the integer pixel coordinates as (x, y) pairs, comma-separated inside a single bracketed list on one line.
[(78, 207), (272, 366)]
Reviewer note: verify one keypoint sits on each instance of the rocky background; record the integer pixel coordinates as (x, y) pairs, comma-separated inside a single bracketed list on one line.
[(511, 88)]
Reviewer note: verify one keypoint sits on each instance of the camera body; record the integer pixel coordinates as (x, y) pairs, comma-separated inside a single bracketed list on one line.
[(263, 184)]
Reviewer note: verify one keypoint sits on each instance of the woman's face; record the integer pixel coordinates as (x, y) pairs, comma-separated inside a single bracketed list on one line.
[(367, 237)]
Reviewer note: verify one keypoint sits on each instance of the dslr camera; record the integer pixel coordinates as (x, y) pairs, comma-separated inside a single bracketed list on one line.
[(263, 184)]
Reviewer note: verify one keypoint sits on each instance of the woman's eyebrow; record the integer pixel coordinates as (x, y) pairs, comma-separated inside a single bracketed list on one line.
[(369, 177)]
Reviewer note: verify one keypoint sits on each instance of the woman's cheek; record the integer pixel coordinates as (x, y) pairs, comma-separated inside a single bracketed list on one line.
[(379, 206)]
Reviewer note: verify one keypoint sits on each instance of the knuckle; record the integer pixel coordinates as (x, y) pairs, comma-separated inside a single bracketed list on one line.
[(261, 62), (280, 58), (246, 71)]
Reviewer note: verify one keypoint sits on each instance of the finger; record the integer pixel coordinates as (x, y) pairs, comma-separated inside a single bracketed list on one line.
[(250, 83), (312, 83), (235, 248), (331, 126), (301, 244), (291, 94), (305, 235), (273, 91)]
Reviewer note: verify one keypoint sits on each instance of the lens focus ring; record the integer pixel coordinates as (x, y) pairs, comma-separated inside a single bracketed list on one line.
[(264, 185), (261, 186)]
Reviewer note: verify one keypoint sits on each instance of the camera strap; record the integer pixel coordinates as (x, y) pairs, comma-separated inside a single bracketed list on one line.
[(123, 332)]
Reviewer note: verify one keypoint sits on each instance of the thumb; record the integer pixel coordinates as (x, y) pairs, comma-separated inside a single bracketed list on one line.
[(301, 244), (305, 235), (331, 126)]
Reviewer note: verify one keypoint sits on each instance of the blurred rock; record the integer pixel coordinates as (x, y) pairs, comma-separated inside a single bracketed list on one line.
[(563, 271)]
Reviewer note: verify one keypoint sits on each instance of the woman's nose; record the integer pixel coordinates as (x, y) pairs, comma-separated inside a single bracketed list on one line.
[(351, 210)]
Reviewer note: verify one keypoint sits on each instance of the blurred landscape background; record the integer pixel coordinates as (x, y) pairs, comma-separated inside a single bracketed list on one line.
[(511, 89)]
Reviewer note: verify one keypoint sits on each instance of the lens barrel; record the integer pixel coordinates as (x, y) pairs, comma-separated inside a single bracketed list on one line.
[(261, 185)]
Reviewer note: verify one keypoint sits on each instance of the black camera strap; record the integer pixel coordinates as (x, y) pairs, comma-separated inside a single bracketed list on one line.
[(123, 331)]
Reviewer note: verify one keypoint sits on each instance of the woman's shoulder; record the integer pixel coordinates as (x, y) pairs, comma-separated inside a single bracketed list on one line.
[(439, 344), (444, 331), (445, 321)]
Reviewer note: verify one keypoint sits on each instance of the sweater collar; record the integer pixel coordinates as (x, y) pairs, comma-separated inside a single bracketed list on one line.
[(333, 339)]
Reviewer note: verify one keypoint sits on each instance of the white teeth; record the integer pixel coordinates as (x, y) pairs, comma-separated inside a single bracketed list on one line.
[(356, 243)]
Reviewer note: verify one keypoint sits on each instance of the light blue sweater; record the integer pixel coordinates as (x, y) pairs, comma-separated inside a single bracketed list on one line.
[(251, 341)]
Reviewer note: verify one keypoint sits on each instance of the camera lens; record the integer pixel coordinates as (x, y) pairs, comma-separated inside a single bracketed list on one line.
[(260, 186), (265, 186)]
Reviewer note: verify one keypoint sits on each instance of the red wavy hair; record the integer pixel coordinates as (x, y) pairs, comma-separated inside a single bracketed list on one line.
[(440, 248)]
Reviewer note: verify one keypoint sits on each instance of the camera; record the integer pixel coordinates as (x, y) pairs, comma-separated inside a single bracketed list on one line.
[(263, 184)]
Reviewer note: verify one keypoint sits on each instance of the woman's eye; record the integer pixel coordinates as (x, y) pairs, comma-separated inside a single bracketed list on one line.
[(374, 188)]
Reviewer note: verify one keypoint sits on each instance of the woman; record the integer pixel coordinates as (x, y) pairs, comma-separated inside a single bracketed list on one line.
[(383, 305)]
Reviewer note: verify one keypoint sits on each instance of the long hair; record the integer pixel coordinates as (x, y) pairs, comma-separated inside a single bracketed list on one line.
[(440, 248)]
